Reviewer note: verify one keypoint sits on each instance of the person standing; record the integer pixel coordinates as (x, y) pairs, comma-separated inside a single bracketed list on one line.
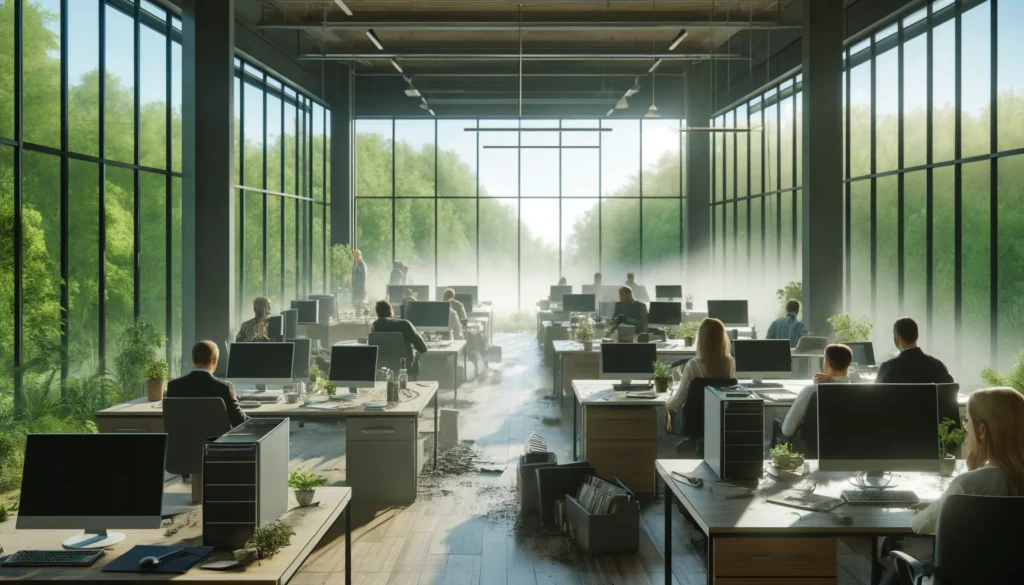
[(396, 273), (358, 278), (788, 327)]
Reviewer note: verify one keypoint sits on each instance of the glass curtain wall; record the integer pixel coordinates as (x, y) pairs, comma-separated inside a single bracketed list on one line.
[(90, 179), (513, 211), (282, 191)]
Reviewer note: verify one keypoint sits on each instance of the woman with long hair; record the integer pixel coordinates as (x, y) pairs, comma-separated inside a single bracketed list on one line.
[(712, 361), (255, 329), (358, 278)]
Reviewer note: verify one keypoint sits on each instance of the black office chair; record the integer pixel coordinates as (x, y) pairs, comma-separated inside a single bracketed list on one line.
[(693, 415), (805, 441), (391, 350), (189, 424), (977, 540)]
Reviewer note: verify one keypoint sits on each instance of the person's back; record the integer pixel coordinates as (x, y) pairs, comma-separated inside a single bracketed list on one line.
[(387, 323), (788, 327), (201, 383), (396, 274), (912, 365)]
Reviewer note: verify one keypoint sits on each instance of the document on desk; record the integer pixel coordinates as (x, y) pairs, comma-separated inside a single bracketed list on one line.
[(330, 405)]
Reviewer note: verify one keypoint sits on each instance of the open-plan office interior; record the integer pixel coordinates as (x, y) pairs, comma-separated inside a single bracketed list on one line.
[(497, 291)]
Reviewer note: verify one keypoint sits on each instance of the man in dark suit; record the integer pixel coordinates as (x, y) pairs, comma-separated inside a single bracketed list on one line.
[(200, 383), (912, 366), (385, 323)]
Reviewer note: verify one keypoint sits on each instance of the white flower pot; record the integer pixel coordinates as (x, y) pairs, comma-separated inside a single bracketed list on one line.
[(304, 497)]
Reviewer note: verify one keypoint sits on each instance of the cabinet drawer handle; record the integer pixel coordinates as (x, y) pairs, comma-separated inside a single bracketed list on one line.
[(379, 431), (622, 420), (779, 557)]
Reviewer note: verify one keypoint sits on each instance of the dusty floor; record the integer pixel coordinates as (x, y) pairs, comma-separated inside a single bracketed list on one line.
[(464, 527)]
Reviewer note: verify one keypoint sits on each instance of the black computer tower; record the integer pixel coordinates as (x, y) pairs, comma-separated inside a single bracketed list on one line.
[(733, 433), (290, 319), (245, 481)]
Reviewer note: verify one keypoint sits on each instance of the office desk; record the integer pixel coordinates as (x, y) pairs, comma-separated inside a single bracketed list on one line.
[(572, 363), (310, 525), (337, 331), (753, 541), (620, 434)]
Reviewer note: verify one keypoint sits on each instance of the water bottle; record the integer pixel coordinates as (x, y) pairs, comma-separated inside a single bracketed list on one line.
[(392, 395), (403, 376)]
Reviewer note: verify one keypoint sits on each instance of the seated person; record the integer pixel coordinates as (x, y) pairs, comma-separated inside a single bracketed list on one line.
[(630, 311), (255, 329), (563, 282), (457, 306), (711, 362), (788, 327), (597, 279), (385, 323), (631, 280), (912, 366), (200, 382), (837, 361), (456, 324)]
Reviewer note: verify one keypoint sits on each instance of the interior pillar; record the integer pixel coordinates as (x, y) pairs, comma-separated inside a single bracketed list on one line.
[(339, 97), (698, 177)]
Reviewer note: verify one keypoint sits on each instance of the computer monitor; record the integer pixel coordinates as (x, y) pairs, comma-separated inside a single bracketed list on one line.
[(558, 291), (668, 291), (466, 299), (640, 293), (462, 289), (93, 482), (863, 352), (353, 366), (665, 313), (610, 292), (763, 358), (301, 357), (260, 363), (608, 309), (586, 303), (877, 427), (327, 310), (592, 289), (730, 313), (626, 361), (275, 328), (429, 315), (309, 311), (396, 292), (290, 319)]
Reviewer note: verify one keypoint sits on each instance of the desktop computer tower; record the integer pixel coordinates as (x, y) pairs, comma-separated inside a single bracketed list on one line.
[(245, 481), (733, 433)]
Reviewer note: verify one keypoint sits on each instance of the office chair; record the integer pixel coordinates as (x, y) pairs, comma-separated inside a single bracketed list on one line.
[(692, 429), (977, 540), (805, 441), (189, 423), (810, 344), (391, 350)]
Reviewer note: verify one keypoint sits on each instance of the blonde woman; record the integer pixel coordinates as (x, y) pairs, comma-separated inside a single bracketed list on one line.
[(255, 329), (712, 361), (358, 278)]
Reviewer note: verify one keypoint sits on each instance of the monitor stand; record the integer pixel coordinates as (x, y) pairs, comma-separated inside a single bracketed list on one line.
[(626, 385), (760, 383), (874, 480), (94, 539)]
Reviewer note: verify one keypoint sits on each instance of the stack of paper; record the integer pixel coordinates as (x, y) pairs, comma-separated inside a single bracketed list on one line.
[(596, 495), (536, 444)]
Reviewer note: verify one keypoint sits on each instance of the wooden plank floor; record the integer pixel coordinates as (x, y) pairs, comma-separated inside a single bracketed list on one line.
[(465, 532)]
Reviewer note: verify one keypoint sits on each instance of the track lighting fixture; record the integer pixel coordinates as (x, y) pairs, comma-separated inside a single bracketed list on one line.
[(655, 66), (652, 112), (679, 39), (344, 8), (374, 39), (635, 89), (622, 104), (396, 66)]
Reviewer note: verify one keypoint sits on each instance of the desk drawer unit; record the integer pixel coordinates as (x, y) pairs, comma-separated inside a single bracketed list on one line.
[(603, 423), (756, 560), (130, 424), (381, 458), (622, 442)]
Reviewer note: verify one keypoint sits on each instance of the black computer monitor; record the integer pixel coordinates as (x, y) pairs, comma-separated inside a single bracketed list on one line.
[(730, 313), (586, 303), (92, 482), (396, 292), (429, 315), (327, 309), (353, 366), (625, 361), (301, 357), (863, 352), (309, 311), (877, 427), (763, 358), (290, 319), (261, 363), (467, 301), (668, 291), (665, 313), (275, 328), (558, 291)]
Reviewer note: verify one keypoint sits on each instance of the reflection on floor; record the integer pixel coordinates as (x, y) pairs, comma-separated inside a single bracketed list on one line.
[(462, 530)]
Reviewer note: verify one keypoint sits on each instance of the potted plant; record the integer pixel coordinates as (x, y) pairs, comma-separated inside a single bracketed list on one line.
[(267, 540), (585, 335), (849, 328), (330, 388), (305, 482), (949, 435), (689, 302), (662, 376), (314, 379), (156, 379), (688, 332), (784, 459)]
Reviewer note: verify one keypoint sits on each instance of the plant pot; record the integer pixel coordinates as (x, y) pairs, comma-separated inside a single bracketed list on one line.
[(788, 463), (304, 497), (291, 397), (154, 390), (588, 346), (689, 305), (661, 384), (688, 341), (947, 466)]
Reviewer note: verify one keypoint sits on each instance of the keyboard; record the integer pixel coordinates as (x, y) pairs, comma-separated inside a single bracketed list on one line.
[(631, 387), (262, 397), (53, 558), (762, 385), (249, 404), (876, 497)]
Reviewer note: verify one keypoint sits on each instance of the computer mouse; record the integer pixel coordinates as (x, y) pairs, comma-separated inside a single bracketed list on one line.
[(149, 563)]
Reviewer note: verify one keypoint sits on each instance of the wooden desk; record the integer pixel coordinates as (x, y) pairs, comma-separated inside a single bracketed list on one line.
[(751, 541), (572, 363), (336, 331), (310, 525), (620, 434)]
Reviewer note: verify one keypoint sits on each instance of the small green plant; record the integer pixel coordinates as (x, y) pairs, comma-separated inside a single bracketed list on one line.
[(137, 346), (303, 478), (341, 265), (662, 371), (784, 450), (157, 370), (794, 291), (784, 458), (689, 299), (584, 332), (330, 388), (3, 514), (949, 435), (1015, 379), (269, 539), (688, 330), (849, 328), (314, 374)]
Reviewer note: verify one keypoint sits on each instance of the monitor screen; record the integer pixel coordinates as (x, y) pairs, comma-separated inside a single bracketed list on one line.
[(640, 293), (301, 357), (275, 328), (309, 311), (757, 358), (326, 310), (608, 309), (261, 363), (353, 366), (863, 352), (628, 359), (428, 316), (559, 291), (89, 481), (466, 300), (732, 313), (396, 292), (668, 291), (877, 427), (665, 313), (290, 319), (579, 303)]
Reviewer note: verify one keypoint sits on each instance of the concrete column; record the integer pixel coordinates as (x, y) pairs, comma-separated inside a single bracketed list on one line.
[(823, 209), (208, 165), (340, 86), (698, 177)]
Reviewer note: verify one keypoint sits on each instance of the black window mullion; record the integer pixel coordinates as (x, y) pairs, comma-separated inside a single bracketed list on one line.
[(137, 220), (874, 184), (19, 397), (102, 188), (168, 198), (994, 184), (64, 256), (847, 188), (263, 93), (281, 221), (958, 189), (929, 178), (900, 184), (240, 302)]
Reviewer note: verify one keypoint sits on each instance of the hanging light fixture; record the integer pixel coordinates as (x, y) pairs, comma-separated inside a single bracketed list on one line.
[(635, 89), (652, 112), (610, 112), (622, 104)]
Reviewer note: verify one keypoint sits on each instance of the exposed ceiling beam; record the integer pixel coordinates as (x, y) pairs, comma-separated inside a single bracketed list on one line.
[(527, 26), (514, 56)]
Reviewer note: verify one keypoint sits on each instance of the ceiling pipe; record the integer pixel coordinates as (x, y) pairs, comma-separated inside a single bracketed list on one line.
[(516, 56), (512, 26)]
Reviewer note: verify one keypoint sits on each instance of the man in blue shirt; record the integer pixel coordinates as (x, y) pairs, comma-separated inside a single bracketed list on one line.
[(788, 327)]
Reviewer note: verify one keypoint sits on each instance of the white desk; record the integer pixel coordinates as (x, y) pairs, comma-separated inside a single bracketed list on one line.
[(571, 362)]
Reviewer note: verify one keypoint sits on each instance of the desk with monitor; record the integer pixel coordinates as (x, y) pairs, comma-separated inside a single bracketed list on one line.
[(734, 315), (572, 362)]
